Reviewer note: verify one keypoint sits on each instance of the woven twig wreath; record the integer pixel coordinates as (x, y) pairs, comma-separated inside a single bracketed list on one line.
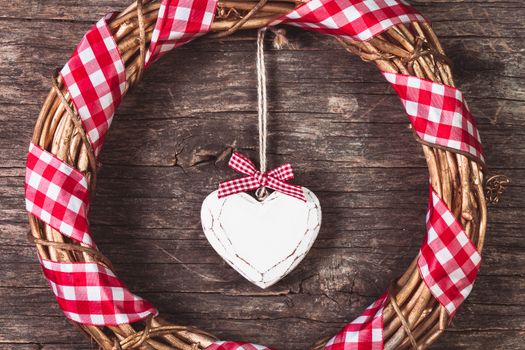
[(412, 316)]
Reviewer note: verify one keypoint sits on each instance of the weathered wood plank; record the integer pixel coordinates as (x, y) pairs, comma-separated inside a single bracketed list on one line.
[(329, 113)]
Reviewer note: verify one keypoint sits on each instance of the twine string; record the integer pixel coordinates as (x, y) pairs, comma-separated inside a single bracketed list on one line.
[(262, 109), (262, 100)]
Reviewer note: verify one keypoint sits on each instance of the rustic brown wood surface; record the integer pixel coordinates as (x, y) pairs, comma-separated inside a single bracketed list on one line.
[(332, 116)]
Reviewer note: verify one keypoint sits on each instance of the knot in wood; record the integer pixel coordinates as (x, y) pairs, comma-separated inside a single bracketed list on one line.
[(494, 188)]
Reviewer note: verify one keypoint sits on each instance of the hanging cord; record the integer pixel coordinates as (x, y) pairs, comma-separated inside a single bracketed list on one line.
[(262, 109), (262, 102)]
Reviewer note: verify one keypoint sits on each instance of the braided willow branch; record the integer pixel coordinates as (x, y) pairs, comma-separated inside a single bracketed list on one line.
[(412, 317)]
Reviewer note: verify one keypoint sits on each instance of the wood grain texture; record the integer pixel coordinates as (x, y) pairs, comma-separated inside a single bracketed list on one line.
[(332, 116)]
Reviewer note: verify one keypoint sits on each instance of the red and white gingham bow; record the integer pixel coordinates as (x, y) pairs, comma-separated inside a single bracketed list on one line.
[(274, 179)]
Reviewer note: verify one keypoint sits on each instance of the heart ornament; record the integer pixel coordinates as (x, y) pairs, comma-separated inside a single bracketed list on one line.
[(262, 240)]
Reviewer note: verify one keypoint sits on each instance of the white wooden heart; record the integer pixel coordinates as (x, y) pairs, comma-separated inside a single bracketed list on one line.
[(264, 240)]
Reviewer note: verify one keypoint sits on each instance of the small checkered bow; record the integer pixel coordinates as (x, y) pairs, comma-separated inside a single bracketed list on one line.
[(274, 179)]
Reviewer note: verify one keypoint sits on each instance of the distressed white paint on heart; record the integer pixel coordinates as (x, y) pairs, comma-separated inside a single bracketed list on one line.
[(264, 240)]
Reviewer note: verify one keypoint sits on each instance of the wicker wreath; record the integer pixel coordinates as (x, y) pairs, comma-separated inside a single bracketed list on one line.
[(412, 316)]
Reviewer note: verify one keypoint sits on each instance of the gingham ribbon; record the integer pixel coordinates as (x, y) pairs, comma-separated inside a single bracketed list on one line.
[(351, 19), (274, 179), (178, 22), (87, 293), (448, 260), (57, 194), (95, 78), (438, 113), (365, 332), (90, 293)]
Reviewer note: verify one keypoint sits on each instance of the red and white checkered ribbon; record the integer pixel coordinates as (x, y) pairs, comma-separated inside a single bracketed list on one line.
[(448, 261), (96, 80), (178, 22), (351, 19), (439, 113), (90, 293), (57, 194), (230, 345), (365, 332), (274, 179)]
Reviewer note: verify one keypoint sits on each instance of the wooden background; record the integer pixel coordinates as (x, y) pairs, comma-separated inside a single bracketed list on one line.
[(332, 116)]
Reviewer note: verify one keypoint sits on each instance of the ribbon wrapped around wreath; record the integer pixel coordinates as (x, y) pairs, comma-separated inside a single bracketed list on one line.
[(274, 179)]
